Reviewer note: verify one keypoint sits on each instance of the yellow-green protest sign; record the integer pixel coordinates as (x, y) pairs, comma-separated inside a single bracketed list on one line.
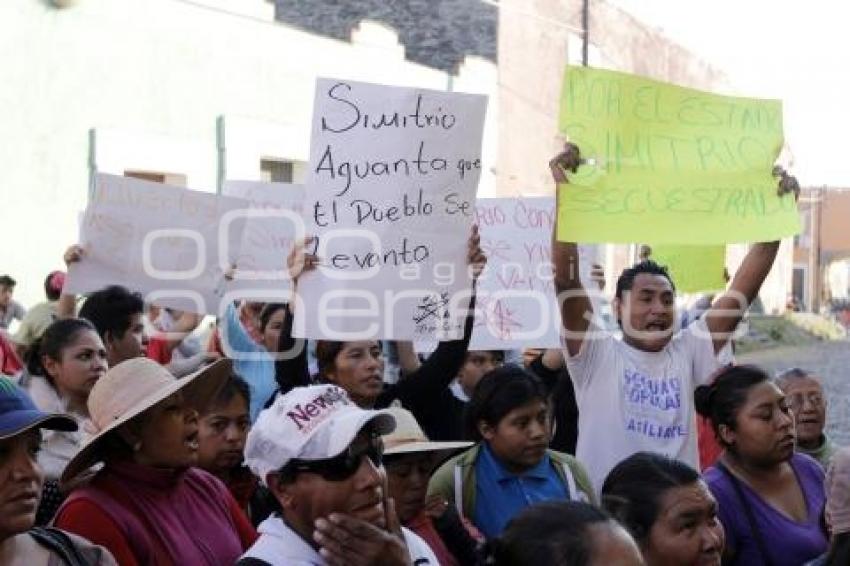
[(693, 268), (668, 164)]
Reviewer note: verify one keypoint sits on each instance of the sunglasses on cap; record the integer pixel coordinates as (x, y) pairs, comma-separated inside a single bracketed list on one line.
[(342, 466)]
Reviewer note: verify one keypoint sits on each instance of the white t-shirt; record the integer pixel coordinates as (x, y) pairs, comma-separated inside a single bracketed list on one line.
[(281, 546), (631, 401)]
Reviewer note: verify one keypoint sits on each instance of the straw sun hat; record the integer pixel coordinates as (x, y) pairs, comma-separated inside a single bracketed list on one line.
[(129, 389), (408, 438)]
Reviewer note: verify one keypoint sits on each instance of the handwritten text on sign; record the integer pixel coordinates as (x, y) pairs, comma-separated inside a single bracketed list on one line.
[(517, 306), (166, 242), (273, 222), (669, 164), (391, 189)]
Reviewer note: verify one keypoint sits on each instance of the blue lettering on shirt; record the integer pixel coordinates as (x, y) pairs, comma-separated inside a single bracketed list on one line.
[(653, 405)]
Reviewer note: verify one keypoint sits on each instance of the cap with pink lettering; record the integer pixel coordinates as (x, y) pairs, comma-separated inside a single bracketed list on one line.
[(308, 423)]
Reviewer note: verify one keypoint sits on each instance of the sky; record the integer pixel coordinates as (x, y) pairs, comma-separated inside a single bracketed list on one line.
[(793, 51)]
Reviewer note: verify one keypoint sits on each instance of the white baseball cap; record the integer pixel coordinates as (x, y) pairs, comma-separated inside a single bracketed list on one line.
[(308, 423)]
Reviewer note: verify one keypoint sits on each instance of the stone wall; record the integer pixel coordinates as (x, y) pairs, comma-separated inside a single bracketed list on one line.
[(436, 33)]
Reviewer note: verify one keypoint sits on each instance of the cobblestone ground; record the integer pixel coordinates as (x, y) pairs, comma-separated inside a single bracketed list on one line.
[(829, 360)]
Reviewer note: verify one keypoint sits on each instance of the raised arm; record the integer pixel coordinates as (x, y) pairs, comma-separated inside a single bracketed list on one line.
[(419, 391), (574, 302), (408, 361), (67, 305), (726, 312)]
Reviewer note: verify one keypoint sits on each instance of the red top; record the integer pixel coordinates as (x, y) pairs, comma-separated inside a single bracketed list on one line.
[(709, 448), (157, 350), (150, 516), (10, 364)]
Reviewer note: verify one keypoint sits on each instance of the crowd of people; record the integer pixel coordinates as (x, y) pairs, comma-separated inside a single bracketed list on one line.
[(124, 440)]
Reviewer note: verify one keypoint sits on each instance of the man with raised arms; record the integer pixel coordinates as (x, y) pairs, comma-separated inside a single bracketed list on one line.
[(636, 393)]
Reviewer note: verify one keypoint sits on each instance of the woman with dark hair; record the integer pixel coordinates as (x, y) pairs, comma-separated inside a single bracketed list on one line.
[(667, 508), (771, 499), (358, 366), (255, 361), (222, 431), (63, 367), (565, 533), (510, 466), (150, 504)]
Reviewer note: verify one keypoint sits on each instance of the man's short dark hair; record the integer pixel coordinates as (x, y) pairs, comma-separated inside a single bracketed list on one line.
[(627, 278), (7, 281), (112, 309)]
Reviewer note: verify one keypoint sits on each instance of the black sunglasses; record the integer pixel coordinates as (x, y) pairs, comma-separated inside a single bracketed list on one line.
[(342, 466)]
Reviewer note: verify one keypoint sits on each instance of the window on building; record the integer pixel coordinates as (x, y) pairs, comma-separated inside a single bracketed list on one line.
[(275, 171), (177, 179)]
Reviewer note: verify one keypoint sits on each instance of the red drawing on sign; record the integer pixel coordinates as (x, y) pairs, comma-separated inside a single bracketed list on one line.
[(501, 320)]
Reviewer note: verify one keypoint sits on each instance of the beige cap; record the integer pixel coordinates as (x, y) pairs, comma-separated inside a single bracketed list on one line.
[(129, 389), (408, 437)]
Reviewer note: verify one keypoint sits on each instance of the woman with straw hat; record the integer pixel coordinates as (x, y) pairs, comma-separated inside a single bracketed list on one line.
[(410, 458), (149, 505), (21, 478)]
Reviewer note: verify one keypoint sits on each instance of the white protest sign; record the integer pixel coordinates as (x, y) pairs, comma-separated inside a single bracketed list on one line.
[(171, 244), (517, 306), (390, 194), (272, 224)]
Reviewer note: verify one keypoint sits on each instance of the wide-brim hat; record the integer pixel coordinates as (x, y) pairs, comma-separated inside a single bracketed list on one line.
[(18, 413), (408, 437), (131, 388)]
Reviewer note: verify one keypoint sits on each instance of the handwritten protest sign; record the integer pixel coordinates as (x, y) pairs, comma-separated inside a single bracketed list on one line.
[(163, 241), (516, 294), (391, 190), (668, 164), (272, 223), (693, 268), (516, 304)]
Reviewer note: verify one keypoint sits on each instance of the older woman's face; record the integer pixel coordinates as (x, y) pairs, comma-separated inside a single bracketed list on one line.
[(21, 479), (407, 480), (764, 427), (168, 435), (687, 531)]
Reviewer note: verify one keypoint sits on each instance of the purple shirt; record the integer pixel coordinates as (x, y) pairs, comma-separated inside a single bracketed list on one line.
[(788, 542)]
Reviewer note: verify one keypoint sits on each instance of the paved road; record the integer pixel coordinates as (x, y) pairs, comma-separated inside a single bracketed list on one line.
[(829, 360)]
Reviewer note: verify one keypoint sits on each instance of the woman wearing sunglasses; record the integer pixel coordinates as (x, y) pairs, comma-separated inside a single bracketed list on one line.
[(321, 457), (148, 505)]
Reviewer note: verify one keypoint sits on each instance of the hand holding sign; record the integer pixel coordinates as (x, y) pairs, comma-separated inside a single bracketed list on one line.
[(392, 180)]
